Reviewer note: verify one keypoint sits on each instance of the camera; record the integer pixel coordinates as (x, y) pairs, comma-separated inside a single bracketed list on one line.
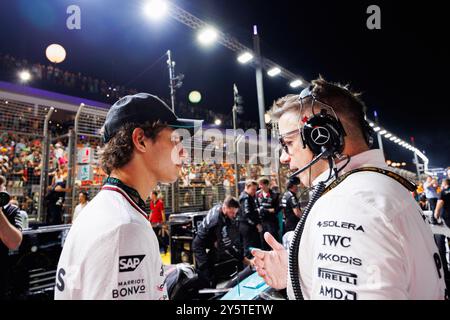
[(4, 199)]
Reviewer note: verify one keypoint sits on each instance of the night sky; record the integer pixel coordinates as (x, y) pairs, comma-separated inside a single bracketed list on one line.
[(401, 69)]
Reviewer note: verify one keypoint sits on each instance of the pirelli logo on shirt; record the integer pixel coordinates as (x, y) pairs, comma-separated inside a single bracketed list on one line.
[(335, 275), (130, 263)]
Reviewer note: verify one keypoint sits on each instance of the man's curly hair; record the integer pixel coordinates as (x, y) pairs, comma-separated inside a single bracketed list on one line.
[(119, 150)]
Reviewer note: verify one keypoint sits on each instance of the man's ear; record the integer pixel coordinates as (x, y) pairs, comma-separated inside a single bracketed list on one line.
[(138, 138)]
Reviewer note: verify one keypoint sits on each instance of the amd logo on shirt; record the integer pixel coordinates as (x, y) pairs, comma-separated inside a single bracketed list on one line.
[(130, 263), (337, 294)]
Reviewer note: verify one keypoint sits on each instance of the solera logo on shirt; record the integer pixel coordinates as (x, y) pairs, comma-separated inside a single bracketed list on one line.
[(130, 263)]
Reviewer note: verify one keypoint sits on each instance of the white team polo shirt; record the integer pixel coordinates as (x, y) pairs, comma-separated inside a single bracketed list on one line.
[(367, 239), (111, 253)]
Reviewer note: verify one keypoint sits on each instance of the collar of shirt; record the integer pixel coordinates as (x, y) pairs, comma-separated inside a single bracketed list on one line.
[(372, 158)]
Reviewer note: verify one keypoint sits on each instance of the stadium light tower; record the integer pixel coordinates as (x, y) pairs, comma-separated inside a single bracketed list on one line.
[(296, 83), (245, 57), (24, 76), (207, 36), (156, 9), (274, 72)]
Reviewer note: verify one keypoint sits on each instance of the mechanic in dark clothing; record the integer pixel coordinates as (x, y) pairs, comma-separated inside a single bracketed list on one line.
[(290, 205), (10, 235), (443, 211), (267, 201), (218, 233), (443, 205), (250, 226)]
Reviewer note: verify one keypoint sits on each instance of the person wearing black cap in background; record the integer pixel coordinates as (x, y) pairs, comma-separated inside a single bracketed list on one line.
[(290, 205), (112, 252)]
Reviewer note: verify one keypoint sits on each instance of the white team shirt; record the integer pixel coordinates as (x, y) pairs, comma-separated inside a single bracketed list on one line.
[(111, 252), (367, 239)]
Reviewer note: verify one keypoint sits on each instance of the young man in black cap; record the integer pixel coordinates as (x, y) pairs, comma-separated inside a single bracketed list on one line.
[(112, 252)]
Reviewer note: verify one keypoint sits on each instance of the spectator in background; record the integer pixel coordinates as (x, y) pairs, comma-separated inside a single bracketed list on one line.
[(423, 202), (443, 211), (250, 226), (83, 200), (59, 151), (290, 205), (157, 218), (10, 234), (20, 146), (443, 205), (55, 201), (268, 209), (430, 188)]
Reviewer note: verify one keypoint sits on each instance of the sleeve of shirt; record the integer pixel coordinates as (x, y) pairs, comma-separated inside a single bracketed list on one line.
[(122, 265), (293, 202), (14, 217), (250, 211), (204, 240), (358, 255)]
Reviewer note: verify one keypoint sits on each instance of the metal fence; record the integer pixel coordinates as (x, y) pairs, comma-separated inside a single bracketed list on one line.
[(21, 135)]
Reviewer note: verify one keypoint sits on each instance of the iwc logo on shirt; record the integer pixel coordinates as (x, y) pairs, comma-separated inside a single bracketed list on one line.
[(130, 263)]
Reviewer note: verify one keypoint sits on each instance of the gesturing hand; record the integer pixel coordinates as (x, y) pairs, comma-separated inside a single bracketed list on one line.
[(272, 266)]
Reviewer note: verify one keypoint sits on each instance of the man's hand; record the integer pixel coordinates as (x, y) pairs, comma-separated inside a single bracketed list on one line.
[(259, 228), (272, 266)]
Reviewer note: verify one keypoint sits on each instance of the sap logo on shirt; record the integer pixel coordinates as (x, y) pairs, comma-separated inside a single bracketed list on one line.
[(338, 224), (334, 293), (334, 241), (130, 263), (340, 276)]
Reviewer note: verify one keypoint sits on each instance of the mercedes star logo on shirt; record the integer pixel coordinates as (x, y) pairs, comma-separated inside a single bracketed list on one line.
[(320, 135)]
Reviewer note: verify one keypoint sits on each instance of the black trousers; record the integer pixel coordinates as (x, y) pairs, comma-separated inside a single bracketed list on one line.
[(250, 237), (270, 226), (440, 242), (54, 214)]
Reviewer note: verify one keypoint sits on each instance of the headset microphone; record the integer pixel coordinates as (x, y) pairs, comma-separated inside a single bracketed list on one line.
[(313, 162)]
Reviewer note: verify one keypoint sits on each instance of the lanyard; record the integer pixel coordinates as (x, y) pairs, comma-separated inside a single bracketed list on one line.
[(404, 182), (130, 192)]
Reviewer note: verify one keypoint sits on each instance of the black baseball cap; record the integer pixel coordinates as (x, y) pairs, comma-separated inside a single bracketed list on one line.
[(140, 108)]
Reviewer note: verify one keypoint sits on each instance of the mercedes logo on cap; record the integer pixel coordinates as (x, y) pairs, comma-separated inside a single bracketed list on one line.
[(320, 136)]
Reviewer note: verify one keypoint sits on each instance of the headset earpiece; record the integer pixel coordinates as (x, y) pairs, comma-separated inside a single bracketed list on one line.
[(323, 132)]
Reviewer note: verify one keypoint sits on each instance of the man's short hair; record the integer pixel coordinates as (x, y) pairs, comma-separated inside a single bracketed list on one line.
[(231, 202), (249, 183), (347, 104), (155, 192), (263, 180), (294, 181)]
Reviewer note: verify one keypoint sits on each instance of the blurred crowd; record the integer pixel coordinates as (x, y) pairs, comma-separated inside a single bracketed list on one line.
[(53, 78), (21, 165)]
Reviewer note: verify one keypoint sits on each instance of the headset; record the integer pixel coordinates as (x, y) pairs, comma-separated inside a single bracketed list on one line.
[(323, 132)]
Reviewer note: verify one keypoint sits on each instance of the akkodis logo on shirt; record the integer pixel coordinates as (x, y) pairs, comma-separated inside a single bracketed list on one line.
[(130, 263)]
